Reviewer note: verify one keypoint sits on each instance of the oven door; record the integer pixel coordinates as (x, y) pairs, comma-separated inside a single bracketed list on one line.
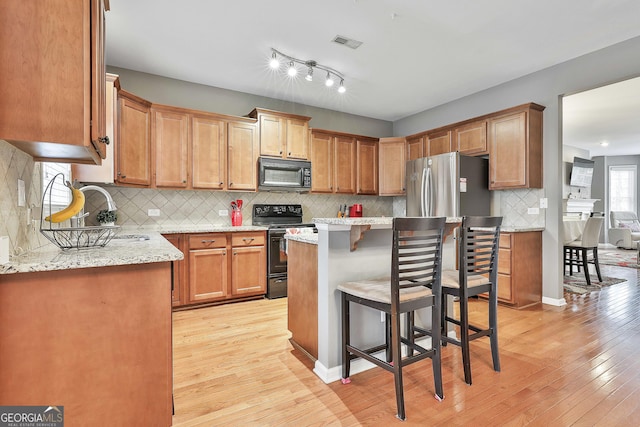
[(276, 253)]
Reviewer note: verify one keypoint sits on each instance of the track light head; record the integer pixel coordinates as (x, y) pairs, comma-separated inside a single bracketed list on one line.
[(309, 76), (274, 63), (342, 89), (329, 81), (292, 70)]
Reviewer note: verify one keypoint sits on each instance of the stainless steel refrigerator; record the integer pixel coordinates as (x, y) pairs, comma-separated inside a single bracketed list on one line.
[(449, 184)]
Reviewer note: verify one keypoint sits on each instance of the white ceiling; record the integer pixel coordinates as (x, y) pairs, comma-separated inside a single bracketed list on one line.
[(416, 54)]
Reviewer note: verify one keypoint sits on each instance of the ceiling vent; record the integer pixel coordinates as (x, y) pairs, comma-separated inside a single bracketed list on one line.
[(345, 41)]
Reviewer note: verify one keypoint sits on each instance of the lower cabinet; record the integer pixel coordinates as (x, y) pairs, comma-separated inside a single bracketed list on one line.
[(520, 269), (219, 267)]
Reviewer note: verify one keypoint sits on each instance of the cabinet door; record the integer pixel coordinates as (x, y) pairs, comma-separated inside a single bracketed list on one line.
[(208, 153), (133, 151), (367, 169), (170, 142), (52, 79), (508, 151), (272, 135), (471, 139), (345, 165), (321, 163), (242, 155), (391, 160), (248, 271), (178, 270), (415, 149), (207, 274), (297, 139), (439, 143)]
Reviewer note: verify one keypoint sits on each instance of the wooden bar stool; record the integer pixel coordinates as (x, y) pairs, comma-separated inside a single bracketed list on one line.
[(414, 284), (477, 274)]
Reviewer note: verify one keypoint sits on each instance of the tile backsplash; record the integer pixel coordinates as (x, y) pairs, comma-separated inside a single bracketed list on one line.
[(197, 207), (15, 165)]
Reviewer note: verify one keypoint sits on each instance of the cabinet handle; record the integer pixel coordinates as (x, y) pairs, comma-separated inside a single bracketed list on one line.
[(221, 184), (250, 239), (230, 184), (280, 151), (208, 241), (289, 153), (235, 253), (104, 139), (184, 181)]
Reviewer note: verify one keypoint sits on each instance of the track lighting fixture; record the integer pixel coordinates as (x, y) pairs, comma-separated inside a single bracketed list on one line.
[(292, 71)]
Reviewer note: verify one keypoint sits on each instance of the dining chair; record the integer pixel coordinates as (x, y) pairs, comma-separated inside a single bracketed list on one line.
[(576, 252), (477, 274), (414, 283)]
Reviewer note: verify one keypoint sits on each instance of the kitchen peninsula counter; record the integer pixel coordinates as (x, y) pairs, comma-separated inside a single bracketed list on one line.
[(72, 325), (347, 249)]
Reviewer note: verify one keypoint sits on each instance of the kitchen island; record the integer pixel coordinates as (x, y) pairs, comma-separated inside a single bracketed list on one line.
[(90, 330), (352, 249)]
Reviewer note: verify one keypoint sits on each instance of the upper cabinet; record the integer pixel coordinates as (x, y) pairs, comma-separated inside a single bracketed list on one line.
[(515, 148), (242, 156), (415, 148), (53, 81), (471, 138), (208, 152), (344, 164), (282, 135), (133, 148), (367, 166), (439, 142), (321, 153), (170, 147), (392, 163)]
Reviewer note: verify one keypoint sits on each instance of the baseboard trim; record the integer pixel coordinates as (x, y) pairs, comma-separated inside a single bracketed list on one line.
[(558, 302)]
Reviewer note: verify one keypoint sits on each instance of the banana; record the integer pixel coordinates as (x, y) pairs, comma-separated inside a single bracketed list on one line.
[(76, 205)]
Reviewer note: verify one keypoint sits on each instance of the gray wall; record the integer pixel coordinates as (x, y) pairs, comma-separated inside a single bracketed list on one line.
[(163, 90), (545, 87)]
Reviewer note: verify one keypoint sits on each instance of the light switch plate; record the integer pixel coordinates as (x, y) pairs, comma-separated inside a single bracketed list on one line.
[(533, 211), (153, 212), (544, 203), (223, 212)]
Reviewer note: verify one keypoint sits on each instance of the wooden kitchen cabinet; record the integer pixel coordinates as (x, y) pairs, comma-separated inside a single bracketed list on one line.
[(248, 264), (208, 152), (282, 135), (391, 166), (222, 267), (133, 150), (520, 269), (321, 154), (208, 267), (344, 158), (471, 138), (515, 148), (170, 147), (242, 155), (439, 143), (415, 148), (177, 291), (53, 79), (367, 166)]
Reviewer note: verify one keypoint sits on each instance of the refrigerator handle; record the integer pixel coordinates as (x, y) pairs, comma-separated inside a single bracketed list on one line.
[(431, 201), (423, 194)]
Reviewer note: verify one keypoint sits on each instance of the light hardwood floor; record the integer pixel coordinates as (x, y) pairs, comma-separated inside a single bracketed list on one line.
[(577, 365)]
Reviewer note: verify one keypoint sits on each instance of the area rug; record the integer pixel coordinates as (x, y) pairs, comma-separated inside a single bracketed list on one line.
[(619, 257), (578, 285)]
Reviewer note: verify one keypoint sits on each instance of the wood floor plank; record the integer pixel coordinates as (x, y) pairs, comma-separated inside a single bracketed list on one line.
[(573, 365)]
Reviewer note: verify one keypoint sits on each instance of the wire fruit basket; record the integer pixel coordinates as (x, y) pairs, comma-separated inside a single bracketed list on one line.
[(69, 237)]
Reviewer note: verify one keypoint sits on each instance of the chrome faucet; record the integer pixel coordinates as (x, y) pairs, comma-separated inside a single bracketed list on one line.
[(78, 220)]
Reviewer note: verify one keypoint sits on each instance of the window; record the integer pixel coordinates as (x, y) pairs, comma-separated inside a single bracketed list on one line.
[(622, 188), (58, 195)]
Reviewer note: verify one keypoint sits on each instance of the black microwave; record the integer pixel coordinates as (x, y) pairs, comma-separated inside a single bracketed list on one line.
[(284, 175)]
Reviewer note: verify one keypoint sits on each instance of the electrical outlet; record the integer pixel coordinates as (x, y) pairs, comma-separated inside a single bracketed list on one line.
[(544, 203), (22, 200), (153, 212), (533, 211), (223, 212)]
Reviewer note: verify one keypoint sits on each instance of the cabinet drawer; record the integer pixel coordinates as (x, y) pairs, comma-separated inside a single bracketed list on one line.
[(504, 261), (504, 288), (505, 240), (247, 239), (207, 241)]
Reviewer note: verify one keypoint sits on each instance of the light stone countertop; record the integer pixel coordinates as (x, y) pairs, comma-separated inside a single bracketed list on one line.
[(151, 247), (388, 221), (311, 238)]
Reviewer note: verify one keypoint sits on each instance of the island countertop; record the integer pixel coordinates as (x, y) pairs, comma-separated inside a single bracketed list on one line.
[(149, 247)]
